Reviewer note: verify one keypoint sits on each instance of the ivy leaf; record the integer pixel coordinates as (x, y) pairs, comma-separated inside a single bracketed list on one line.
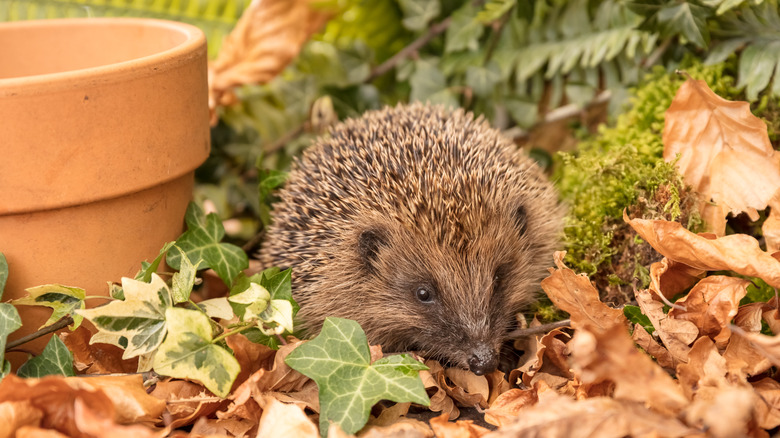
[(464, 31), (137, 324), (277, 283), (54, 360), (254, 334), (251, 302), (673, 18), (269, 179), (418, 13), (63, 300), (429, 84), (184, 280), (145, 274), (189, 352), (277, 318), (217, 308), (635, 315), (338, 360), (3, 273), (201, 242), (9, 323)]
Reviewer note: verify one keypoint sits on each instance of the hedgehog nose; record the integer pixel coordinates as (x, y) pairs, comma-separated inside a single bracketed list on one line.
[(483, 361)]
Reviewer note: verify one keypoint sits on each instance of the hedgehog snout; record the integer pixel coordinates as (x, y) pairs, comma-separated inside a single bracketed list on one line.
[(483, 360)]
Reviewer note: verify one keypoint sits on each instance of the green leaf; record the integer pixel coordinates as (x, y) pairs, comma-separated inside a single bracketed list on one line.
[(418, 13), (635, 315), (277, 318), (686, 19), (217, 308), (145, 274), (756, 66), (339, 361), (137, 324), (63, 300), (9, 323), (483, 80), (269, 180), (184, 280), (201, 242), (189, 352), (430, 85), (464, 31), (254, 334), (494, 10), (3, 273), (54, 360)]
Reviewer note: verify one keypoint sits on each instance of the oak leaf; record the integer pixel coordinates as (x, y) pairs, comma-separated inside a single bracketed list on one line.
[(724, 150)]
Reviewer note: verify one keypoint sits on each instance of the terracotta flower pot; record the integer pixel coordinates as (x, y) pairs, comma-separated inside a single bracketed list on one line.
[(102, 124)]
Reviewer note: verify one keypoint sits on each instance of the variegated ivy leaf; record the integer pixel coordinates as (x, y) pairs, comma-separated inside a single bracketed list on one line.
[(63, 300), (189, 352), (139, 320), (217, 308), (251, 302), (55, 359), (277, 318), (183, 281), (9, 319)]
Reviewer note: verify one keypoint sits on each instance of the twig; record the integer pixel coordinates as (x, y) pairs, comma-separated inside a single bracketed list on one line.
[(544, 328), (414, 46), (563, 113), (283, 140), (252, 243), (62, 323), (657, 53)]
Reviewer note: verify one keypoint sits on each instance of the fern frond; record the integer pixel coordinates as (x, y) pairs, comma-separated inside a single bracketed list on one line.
[(215, 17), (494, 9), (757, 29)]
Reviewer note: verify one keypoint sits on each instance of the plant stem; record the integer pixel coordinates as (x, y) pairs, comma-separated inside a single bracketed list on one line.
[(414, 46), (231, 332), (64, 322), (544, 328)]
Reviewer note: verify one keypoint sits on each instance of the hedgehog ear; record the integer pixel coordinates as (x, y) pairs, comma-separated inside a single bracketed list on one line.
[(370, 242), (521, 219)]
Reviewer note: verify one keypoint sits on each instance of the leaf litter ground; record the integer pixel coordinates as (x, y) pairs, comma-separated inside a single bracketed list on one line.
[(694, 357)]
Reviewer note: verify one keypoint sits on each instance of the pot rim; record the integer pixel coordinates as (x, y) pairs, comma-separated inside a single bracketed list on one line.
[(47, 82)]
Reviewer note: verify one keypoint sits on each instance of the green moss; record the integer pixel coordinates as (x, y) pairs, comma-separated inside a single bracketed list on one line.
[(622, 166)]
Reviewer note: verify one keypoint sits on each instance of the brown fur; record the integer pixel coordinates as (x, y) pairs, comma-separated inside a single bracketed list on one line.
[(409, 196)]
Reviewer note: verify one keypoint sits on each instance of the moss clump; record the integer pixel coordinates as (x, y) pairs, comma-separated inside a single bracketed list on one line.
[(621, 167)]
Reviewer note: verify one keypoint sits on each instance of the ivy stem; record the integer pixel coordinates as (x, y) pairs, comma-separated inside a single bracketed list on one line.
[(62, 323), (98, 297), (231, 332)]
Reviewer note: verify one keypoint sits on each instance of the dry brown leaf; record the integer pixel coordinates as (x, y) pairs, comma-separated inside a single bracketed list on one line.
[(222, 428), (771, 227), (283, 420), (468, 389), (768, 346), (96, 358), (611, 356), (443, 428), (767, 408), (711, 305), (14, 415), (404, 428), (724, 150), (705, 368), (600, 417), (653, 348), (92, 423), (186, 401), (35, 432), (576, 295), (308, 396), (440, 400), (550, 362), (723, 412), (509, 405), (669, 278), (675, 334), (269, 35), (736, 252), (250, 356)]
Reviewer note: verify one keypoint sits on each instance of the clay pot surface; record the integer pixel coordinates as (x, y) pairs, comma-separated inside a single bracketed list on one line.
[(102, 124)]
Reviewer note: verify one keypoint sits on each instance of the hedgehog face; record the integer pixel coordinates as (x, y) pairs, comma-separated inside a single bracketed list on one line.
[(452, 302)]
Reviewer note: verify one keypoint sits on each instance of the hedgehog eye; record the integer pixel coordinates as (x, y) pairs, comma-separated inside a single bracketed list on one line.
[(499, 276), (521, 219), (424, 294)]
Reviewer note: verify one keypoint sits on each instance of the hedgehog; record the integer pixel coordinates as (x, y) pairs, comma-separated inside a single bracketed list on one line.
[(423, 224)]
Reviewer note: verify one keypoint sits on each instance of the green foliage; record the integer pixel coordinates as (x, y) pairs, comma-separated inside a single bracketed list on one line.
[(202, 242), (635, 316), (191, 352), (147, 269), (613, 169), (63, 300), (340, 362), (215, 17), (54, 360), (267, 296), (9, 318)]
